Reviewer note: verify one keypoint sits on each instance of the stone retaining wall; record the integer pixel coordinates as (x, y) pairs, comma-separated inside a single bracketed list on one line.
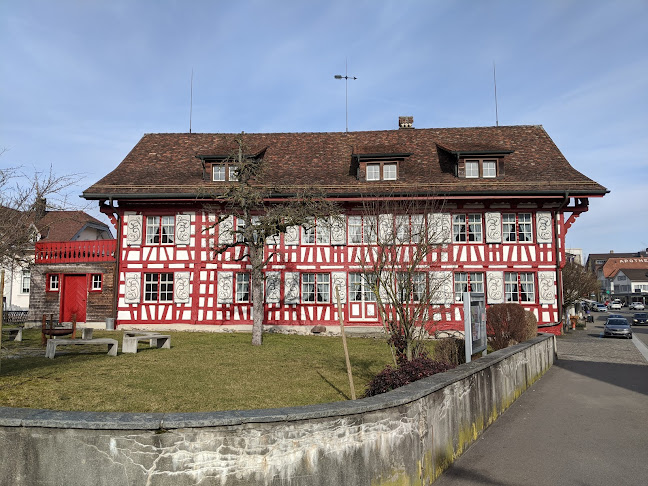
[(404, 437)]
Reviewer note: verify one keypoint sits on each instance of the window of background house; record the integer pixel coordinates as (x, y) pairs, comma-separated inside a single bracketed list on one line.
[(97, 281), (26, 281)]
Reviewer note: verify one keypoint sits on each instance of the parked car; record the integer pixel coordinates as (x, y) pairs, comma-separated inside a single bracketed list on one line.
[(617, 327), (637, 306), (640, 318), (616, 305), (600, 308)]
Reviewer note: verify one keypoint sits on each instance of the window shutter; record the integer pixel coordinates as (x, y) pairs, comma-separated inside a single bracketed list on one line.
[(134, 230), (225, 231), (181, 287), (225, 287), (386, 229), (495, 287), (339, 280), (338, 230), (183, 229), (441, 288), (291, 236), (132, 287), (439, 228), (493, 227), (291, 288), (461, 168), (543, 227), (500, 167), (547, 287), (273, 280)]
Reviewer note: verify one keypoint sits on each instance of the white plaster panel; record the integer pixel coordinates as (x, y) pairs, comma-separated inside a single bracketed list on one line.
[(493, 228)]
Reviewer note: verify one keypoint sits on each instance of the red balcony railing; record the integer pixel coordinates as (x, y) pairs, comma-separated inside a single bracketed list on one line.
[(76, 251)]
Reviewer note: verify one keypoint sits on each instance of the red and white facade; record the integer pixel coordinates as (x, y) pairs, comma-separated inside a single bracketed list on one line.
[(507, 195)]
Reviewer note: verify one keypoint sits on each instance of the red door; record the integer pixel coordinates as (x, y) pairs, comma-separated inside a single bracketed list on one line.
[(74, 298)]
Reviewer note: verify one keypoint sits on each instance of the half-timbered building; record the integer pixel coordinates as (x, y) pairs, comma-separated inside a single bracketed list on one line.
[(505, 198)]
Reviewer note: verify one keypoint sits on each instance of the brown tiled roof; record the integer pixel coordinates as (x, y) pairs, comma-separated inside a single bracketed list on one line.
[(166, 165), (64, 225)]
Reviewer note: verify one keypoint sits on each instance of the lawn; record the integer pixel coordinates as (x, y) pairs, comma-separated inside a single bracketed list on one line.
[(201, 372)]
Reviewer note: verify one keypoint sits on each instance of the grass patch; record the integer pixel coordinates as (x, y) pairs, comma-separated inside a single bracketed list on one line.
[(201, 372)]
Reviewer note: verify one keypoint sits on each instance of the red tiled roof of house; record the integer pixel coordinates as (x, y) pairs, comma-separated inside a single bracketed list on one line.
[(166, 165), (64, 225)]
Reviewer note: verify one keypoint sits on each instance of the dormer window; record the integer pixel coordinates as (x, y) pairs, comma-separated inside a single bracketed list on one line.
[(472, 169), (478, 163), (378, 166), (485, 168), (224, 172)]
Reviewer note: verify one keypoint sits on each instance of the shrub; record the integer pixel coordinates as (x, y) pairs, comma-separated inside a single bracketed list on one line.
[(407, 372), (451, 350), (398, 342), (508, 324)]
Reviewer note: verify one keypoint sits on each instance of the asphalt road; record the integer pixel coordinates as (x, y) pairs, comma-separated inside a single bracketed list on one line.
[(584, 423)]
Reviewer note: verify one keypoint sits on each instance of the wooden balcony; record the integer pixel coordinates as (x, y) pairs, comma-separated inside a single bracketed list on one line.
[(76, 251)]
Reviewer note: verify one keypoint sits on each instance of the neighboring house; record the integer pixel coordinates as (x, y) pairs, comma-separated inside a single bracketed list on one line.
[(508, 197), (626, 279), (574, 255), (596, 261), (73, 267)]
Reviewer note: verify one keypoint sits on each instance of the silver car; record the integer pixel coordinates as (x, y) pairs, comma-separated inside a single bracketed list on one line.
[(617, 327)]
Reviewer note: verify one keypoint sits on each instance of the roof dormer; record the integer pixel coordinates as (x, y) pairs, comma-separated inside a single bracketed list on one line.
[(376, 165), (479, 162)]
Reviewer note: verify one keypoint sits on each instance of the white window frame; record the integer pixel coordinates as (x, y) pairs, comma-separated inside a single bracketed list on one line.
[(160, 230), (25, 281), (373, 172), (97, 281), (489, 169), (158, 287), (243, 289), (316, 288), (509, 228), (53, 282), (472, 169), (390, 171), (360, 290), (219, 172), (525, 228)]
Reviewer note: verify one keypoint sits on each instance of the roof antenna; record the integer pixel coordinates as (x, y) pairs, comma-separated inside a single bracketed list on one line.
[(346, 78), (191, 101), (495, 84)]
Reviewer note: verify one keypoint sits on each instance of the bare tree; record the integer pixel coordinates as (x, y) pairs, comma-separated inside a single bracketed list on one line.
[(399, 267), (577, 283), (24, 199), (260, 219)]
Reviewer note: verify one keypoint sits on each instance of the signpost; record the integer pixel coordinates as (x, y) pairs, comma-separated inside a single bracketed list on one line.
[(474, 323)]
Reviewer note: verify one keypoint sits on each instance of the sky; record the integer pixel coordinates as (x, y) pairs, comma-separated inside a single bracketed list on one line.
[(82, 80)]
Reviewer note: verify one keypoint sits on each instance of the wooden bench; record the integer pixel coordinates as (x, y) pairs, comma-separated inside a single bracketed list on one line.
[(131, 338), (53, 343)]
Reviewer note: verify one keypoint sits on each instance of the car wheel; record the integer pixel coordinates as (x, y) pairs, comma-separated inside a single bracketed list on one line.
[(630, 336)]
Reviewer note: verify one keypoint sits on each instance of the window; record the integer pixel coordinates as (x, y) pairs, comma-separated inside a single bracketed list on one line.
[(316, 231), (218, 173), (472, 169), (96, 282), (373, 172), (53, 283), (385, 171), (490, 168), (224, 172), (517, 227), (362, 229), (519, 291), (361, 288), (486, 168), (160, 230), (158, 287), (465, 281), (472, 231), (316, 287), (25, 281), (389, 172), (411, 287), (243, 287)]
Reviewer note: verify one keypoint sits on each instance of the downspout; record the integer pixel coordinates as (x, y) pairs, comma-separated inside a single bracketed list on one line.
[(559, 283), (117, 258)]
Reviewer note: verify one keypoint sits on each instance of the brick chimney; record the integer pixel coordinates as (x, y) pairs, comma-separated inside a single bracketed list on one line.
[(405, 122)]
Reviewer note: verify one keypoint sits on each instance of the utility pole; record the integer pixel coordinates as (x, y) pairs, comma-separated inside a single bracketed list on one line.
[(346, 78)]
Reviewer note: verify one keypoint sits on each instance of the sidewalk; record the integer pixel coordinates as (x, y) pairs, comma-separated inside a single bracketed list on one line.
[(584, 423)]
